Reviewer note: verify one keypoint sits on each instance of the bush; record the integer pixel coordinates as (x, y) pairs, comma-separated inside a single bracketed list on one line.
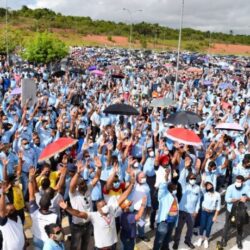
[(45, 48)]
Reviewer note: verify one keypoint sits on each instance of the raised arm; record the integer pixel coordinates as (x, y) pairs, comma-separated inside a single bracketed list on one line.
[(32, 183), (74, 180), (126, 193), (98, 165), (72, 211)]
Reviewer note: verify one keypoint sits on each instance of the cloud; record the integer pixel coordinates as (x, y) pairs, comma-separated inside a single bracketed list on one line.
[(215, 15)]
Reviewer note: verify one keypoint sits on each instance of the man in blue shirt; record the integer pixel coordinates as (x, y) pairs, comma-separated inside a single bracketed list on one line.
[(238, 191), (167, 214), (189, 208)]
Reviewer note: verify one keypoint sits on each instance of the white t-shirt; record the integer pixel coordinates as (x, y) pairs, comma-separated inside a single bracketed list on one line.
[(82, 203), (105, 230), (13, 236), (161, 176), (39, 221)]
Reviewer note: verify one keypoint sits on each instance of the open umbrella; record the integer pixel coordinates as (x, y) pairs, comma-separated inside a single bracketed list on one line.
[(194, 70), (16, 91), (185, 136), (56, 147), (230, 126), (184, 118), (121, 109), (91, 68), (58, 73), (226, 85), (118, 76), (162, 102), (97, 72)]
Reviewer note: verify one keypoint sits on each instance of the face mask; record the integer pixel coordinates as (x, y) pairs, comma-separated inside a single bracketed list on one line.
[(47, 126), (174, 192), (91, 145), (59, 237), (136, 165), (151, 154), (92, 175), (131, 209), (192, 182), (105, 209), (24, 129), (26, 146), (213, 171), (238, 185), (116, 185), (211, 190), (143, 180)]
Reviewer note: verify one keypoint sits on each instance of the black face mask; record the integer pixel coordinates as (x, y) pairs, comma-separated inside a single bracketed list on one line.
[(211, 190)]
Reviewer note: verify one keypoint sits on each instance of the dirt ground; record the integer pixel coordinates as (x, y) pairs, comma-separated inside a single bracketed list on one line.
[(230, 49)]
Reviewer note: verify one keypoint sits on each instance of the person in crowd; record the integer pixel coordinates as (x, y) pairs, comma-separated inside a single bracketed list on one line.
[(238, 191), (103, 220), (40, 215), (168, 213), (189, 208), (129, 217), (10, 224), (210, 209), (56, 237)]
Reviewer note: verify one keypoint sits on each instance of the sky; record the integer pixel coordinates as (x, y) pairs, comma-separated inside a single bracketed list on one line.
[(212, 15)]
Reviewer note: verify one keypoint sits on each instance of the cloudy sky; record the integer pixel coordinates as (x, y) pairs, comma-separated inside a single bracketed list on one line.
[(214, 15)]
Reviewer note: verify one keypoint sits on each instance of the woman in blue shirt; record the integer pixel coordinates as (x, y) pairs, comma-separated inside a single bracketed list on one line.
[(210, 209)]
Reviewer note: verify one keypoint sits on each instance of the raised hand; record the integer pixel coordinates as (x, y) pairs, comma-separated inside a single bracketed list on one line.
[(98, 162), (80, 166), (63, 204), (32, 172)]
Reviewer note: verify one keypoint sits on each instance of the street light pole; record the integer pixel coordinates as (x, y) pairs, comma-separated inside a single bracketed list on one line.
[(179, 47), (131, 24), (6, 31)]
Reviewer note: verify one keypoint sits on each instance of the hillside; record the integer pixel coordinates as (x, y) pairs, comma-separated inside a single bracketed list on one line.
[(23, 23)]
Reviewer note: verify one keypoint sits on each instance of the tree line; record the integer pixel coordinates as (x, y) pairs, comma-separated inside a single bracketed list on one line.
[(85, 25)]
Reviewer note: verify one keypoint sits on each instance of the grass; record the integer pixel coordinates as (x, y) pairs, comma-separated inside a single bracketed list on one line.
[(29, 26)]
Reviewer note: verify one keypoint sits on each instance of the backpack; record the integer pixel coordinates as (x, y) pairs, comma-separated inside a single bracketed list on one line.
[(239, 215)]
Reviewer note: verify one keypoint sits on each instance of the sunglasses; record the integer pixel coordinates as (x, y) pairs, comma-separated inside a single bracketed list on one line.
[(58, 232), (86, 200)]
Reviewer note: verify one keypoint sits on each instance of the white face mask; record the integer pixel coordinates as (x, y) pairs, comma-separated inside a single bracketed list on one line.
[(238, 185), (192, 182), (136, 165), (151, 154), (105, 209), (143, 180), (174, 192)]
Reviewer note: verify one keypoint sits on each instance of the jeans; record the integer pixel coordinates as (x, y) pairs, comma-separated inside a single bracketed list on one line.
[(187, 218), (80, 235), (37, 243), (127, 243), (206, 223), (163, 235)]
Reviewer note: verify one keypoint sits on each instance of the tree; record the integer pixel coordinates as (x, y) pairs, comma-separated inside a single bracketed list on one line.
[(14, 39), (45, 48)]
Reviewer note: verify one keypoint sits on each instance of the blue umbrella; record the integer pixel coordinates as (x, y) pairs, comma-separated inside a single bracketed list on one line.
[(226, 85), (91, 68)]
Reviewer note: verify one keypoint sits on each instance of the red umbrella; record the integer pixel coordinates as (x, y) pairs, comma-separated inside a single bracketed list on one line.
[(56, 147), (184, 136)]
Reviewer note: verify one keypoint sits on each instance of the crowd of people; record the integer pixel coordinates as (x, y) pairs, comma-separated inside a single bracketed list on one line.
[(123, 171)]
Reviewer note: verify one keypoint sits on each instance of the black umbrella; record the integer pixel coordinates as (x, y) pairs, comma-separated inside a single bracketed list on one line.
[(184, 118), (118, 76), (58, 73), (121, 109)]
